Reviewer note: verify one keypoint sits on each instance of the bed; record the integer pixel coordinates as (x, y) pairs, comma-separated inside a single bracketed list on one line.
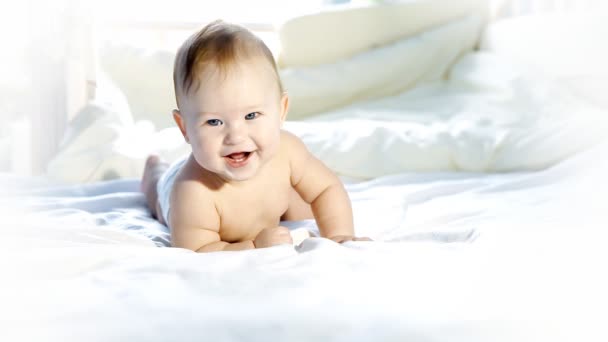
[(480, 176)]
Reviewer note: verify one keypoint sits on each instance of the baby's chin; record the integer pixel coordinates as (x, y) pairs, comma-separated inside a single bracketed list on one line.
[(231, 174), (231, 177), (239, 174)]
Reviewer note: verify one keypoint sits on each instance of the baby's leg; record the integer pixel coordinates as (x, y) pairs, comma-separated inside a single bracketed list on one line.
[(153, 170), (297, 209)]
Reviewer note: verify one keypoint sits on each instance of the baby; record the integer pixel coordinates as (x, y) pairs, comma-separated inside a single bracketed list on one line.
[(245, 174)]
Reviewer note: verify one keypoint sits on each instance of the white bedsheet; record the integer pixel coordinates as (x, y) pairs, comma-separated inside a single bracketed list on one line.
[(456, 257)]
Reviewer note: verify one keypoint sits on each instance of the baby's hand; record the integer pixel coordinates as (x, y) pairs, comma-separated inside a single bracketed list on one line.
[(344, 238), (272, 236)]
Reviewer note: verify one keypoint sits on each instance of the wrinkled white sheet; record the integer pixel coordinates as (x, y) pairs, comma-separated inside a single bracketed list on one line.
[(456, 257)]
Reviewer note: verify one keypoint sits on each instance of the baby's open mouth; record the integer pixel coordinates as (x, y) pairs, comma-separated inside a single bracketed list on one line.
[(238, 159), (239, 156)]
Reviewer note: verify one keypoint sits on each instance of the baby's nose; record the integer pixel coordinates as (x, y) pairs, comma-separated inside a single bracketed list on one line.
[(236, 134)]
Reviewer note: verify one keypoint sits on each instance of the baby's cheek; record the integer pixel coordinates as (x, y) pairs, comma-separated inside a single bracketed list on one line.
[(206, 142), (202, 151), (273, 135), (270, 151)]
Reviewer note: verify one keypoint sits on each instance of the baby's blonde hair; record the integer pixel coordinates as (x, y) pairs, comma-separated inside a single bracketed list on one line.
[(219, 44)]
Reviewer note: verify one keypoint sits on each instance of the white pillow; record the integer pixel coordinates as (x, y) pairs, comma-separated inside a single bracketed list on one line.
[(381, 72), (489, 116), (331, 36), (145, 76), (571, 48), (103, 142), (105, 149)]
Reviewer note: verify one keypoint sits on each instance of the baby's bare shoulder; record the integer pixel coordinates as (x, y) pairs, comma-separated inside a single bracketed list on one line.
[(289, 138), (296, 154), (292, 145), (193, 201), (190, 182)]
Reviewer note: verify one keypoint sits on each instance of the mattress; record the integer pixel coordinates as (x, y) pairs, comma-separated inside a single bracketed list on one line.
[(456, 256)]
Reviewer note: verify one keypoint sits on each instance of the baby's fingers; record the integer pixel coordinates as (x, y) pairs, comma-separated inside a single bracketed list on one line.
[(341, 238), (364, 238), (344, 238), (283, 235)]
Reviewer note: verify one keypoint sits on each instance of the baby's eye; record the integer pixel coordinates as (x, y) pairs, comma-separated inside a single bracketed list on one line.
[(251, 116), (214, 122)]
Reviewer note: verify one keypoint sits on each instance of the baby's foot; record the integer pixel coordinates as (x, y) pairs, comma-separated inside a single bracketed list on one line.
[(152, 172)]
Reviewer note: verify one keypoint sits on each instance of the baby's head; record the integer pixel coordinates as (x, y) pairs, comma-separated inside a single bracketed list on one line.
[(230, 99), (218, 46)]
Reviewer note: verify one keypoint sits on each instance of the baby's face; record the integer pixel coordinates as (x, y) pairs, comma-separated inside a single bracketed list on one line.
[(233, 120)]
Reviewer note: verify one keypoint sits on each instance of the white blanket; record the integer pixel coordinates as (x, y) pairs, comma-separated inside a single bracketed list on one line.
[(456, 257)]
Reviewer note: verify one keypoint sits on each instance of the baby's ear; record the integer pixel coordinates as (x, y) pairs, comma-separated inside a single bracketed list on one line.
[(284, 106), (179, 120)]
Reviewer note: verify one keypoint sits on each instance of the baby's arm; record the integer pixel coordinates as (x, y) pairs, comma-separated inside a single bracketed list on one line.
[(320, 187), (195, 222)]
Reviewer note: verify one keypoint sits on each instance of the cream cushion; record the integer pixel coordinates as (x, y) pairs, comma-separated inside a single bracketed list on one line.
[(145, 76), (335, 35), (384, 71)]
